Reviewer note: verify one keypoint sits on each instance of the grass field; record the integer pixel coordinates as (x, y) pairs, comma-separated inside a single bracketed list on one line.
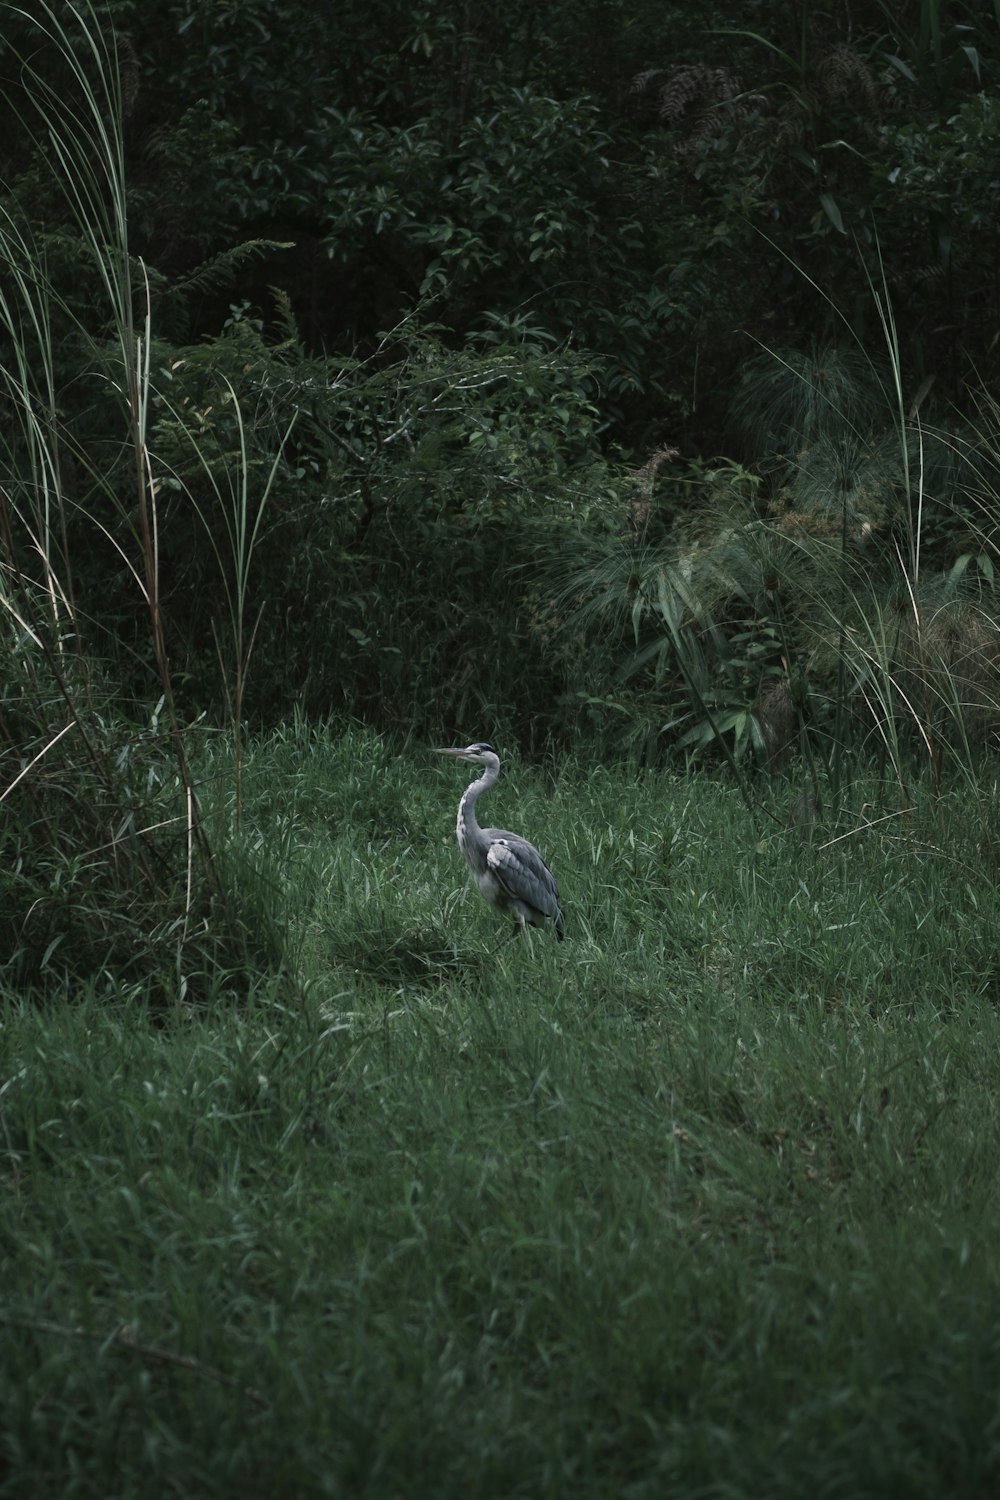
[(701, 1202)]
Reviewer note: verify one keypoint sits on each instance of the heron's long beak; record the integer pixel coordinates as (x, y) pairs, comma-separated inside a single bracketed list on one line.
[(449, 752)]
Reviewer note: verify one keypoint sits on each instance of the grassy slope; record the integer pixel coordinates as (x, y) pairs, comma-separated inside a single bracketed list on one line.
[(702, 1201)]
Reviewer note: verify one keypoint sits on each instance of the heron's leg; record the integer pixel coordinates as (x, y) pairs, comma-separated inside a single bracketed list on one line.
[(518, 927)]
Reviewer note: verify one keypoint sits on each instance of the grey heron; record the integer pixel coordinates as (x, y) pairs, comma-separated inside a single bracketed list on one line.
[(510, 873)]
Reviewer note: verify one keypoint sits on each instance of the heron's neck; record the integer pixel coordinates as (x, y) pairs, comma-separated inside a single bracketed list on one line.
[(468, 824)]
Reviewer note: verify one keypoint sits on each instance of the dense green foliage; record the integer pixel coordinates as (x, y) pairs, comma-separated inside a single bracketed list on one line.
[(699, 1201), (488, 266)]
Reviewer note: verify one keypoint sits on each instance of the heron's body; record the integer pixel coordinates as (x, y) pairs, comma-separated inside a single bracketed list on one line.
[(510, 873)]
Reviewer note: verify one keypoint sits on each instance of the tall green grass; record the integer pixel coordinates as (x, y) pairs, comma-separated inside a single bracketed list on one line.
[(701, 1201), (105, 871)]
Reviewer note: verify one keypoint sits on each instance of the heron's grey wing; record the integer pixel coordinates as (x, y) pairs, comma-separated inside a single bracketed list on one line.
[(522, 872)]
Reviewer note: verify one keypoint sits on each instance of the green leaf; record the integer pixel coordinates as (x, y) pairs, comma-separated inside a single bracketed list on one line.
[(832, 211), (907, 72)]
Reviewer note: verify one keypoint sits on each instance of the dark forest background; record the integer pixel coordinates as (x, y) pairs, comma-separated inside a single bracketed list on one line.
[(587, 352)]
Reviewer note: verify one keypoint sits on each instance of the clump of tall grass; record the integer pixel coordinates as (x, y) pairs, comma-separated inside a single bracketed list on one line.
[(831, 599), (105, 864)]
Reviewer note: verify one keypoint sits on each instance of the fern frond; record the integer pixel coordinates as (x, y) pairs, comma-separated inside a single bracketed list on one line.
[(284, 318), (844, 77), (220, 270)]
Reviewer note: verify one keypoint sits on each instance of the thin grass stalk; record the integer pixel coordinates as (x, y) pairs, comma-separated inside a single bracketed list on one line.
[(137, 402), (839, 727), (243, 517), (26, 770)]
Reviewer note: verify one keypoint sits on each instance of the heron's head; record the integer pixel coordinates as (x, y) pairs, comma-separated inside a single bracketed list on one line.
[(479, 754)]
